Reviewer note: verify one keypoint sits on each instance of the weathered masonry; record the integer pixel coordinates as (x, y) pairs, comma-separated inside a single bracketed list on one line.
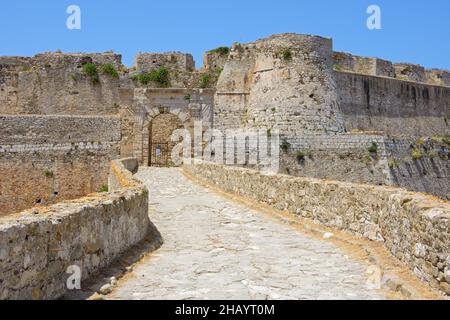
[(330, 107), (47, 159), (366, 122), (341, 117)]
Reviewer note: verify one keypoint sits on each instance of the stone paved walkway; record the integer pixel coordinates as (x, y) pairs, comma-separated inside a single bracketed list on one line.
[(217, 249)]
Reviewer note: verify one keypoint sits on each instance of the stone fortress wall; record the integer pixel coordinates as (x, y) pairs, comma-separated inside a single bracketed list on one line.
[(398, 99), (59, 130), (264, 85), (346, 157), (330, 107), (60, 126), (410, 106), (293, 83), (341, 117), (54, 83)]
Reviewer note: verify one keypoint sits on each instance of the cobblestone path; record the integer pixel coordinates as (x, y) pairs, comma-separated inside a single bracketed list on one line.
[(217, 249)]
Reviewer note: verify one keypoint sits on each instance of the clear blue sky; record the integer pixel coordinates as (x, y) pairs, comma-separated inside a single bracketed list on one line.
[(412, 31)]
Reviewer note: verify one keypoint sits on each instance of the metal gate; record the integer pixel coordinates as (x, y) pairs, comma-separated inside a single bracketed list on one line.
[(159, 154)]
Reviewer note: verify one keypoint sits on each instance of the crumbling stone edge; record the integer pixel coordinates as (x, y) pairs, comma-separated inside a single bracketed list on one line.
[(37, 246), (414, 227)]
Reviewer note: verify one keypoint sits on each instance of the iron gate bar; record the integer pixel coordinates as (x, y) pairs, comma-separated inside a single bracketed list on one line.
[(161, 158)]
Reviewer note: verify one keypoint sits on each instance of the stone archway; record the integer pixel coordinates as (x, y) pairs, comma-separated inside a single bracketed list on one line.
[(160, 130), (143, 137)]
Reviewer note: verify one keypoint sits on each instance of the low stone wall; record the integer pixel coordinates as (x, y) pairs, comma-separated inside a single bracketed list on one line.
[(38, 245), (415, 228)]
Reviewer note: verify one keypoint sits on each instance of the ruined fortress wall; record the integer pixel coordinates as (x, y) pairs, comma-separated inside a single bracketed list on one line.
[(343, 157), (37, 246), (415, 228), (396, 107), (54, 83), (346, 157), (176, 61), (180, 67), (282, 82), (438, 77), (47, 159), (215, 60), (312, 95)]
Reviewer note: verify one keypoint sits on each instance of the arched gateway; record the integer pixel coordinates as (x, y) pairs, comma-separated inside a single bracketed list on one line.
[(157, 129), (160, 148)]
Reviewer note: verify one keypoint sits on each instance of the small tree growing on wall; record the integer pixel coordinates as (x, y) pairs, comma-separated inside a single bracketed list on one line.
[(48, 174), (286, 54), (222, 51), (110, 70), (204, 82), (90, 70)]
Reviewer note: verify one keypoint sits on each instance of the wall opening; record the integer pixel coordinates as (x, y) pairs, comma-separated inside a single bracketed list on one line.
[(160, 148)]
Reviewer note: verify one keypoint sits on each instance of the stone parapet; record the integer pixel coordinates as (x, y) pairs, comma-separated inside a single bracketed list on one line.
[(410, 72), (346, 62), (438, 77), (37, 246)]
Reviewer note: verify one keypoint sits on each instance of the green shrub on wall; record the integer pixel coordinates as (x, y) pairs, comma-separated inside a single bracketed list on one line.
[(159, 76), (337, 67), (49, 174), (286, 54), (222, 51), (300, 156), (110, 70), (416, 154), (204, 82), (392, 163), (90, 69), (285, 145), (103, 188), (373, 148)]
